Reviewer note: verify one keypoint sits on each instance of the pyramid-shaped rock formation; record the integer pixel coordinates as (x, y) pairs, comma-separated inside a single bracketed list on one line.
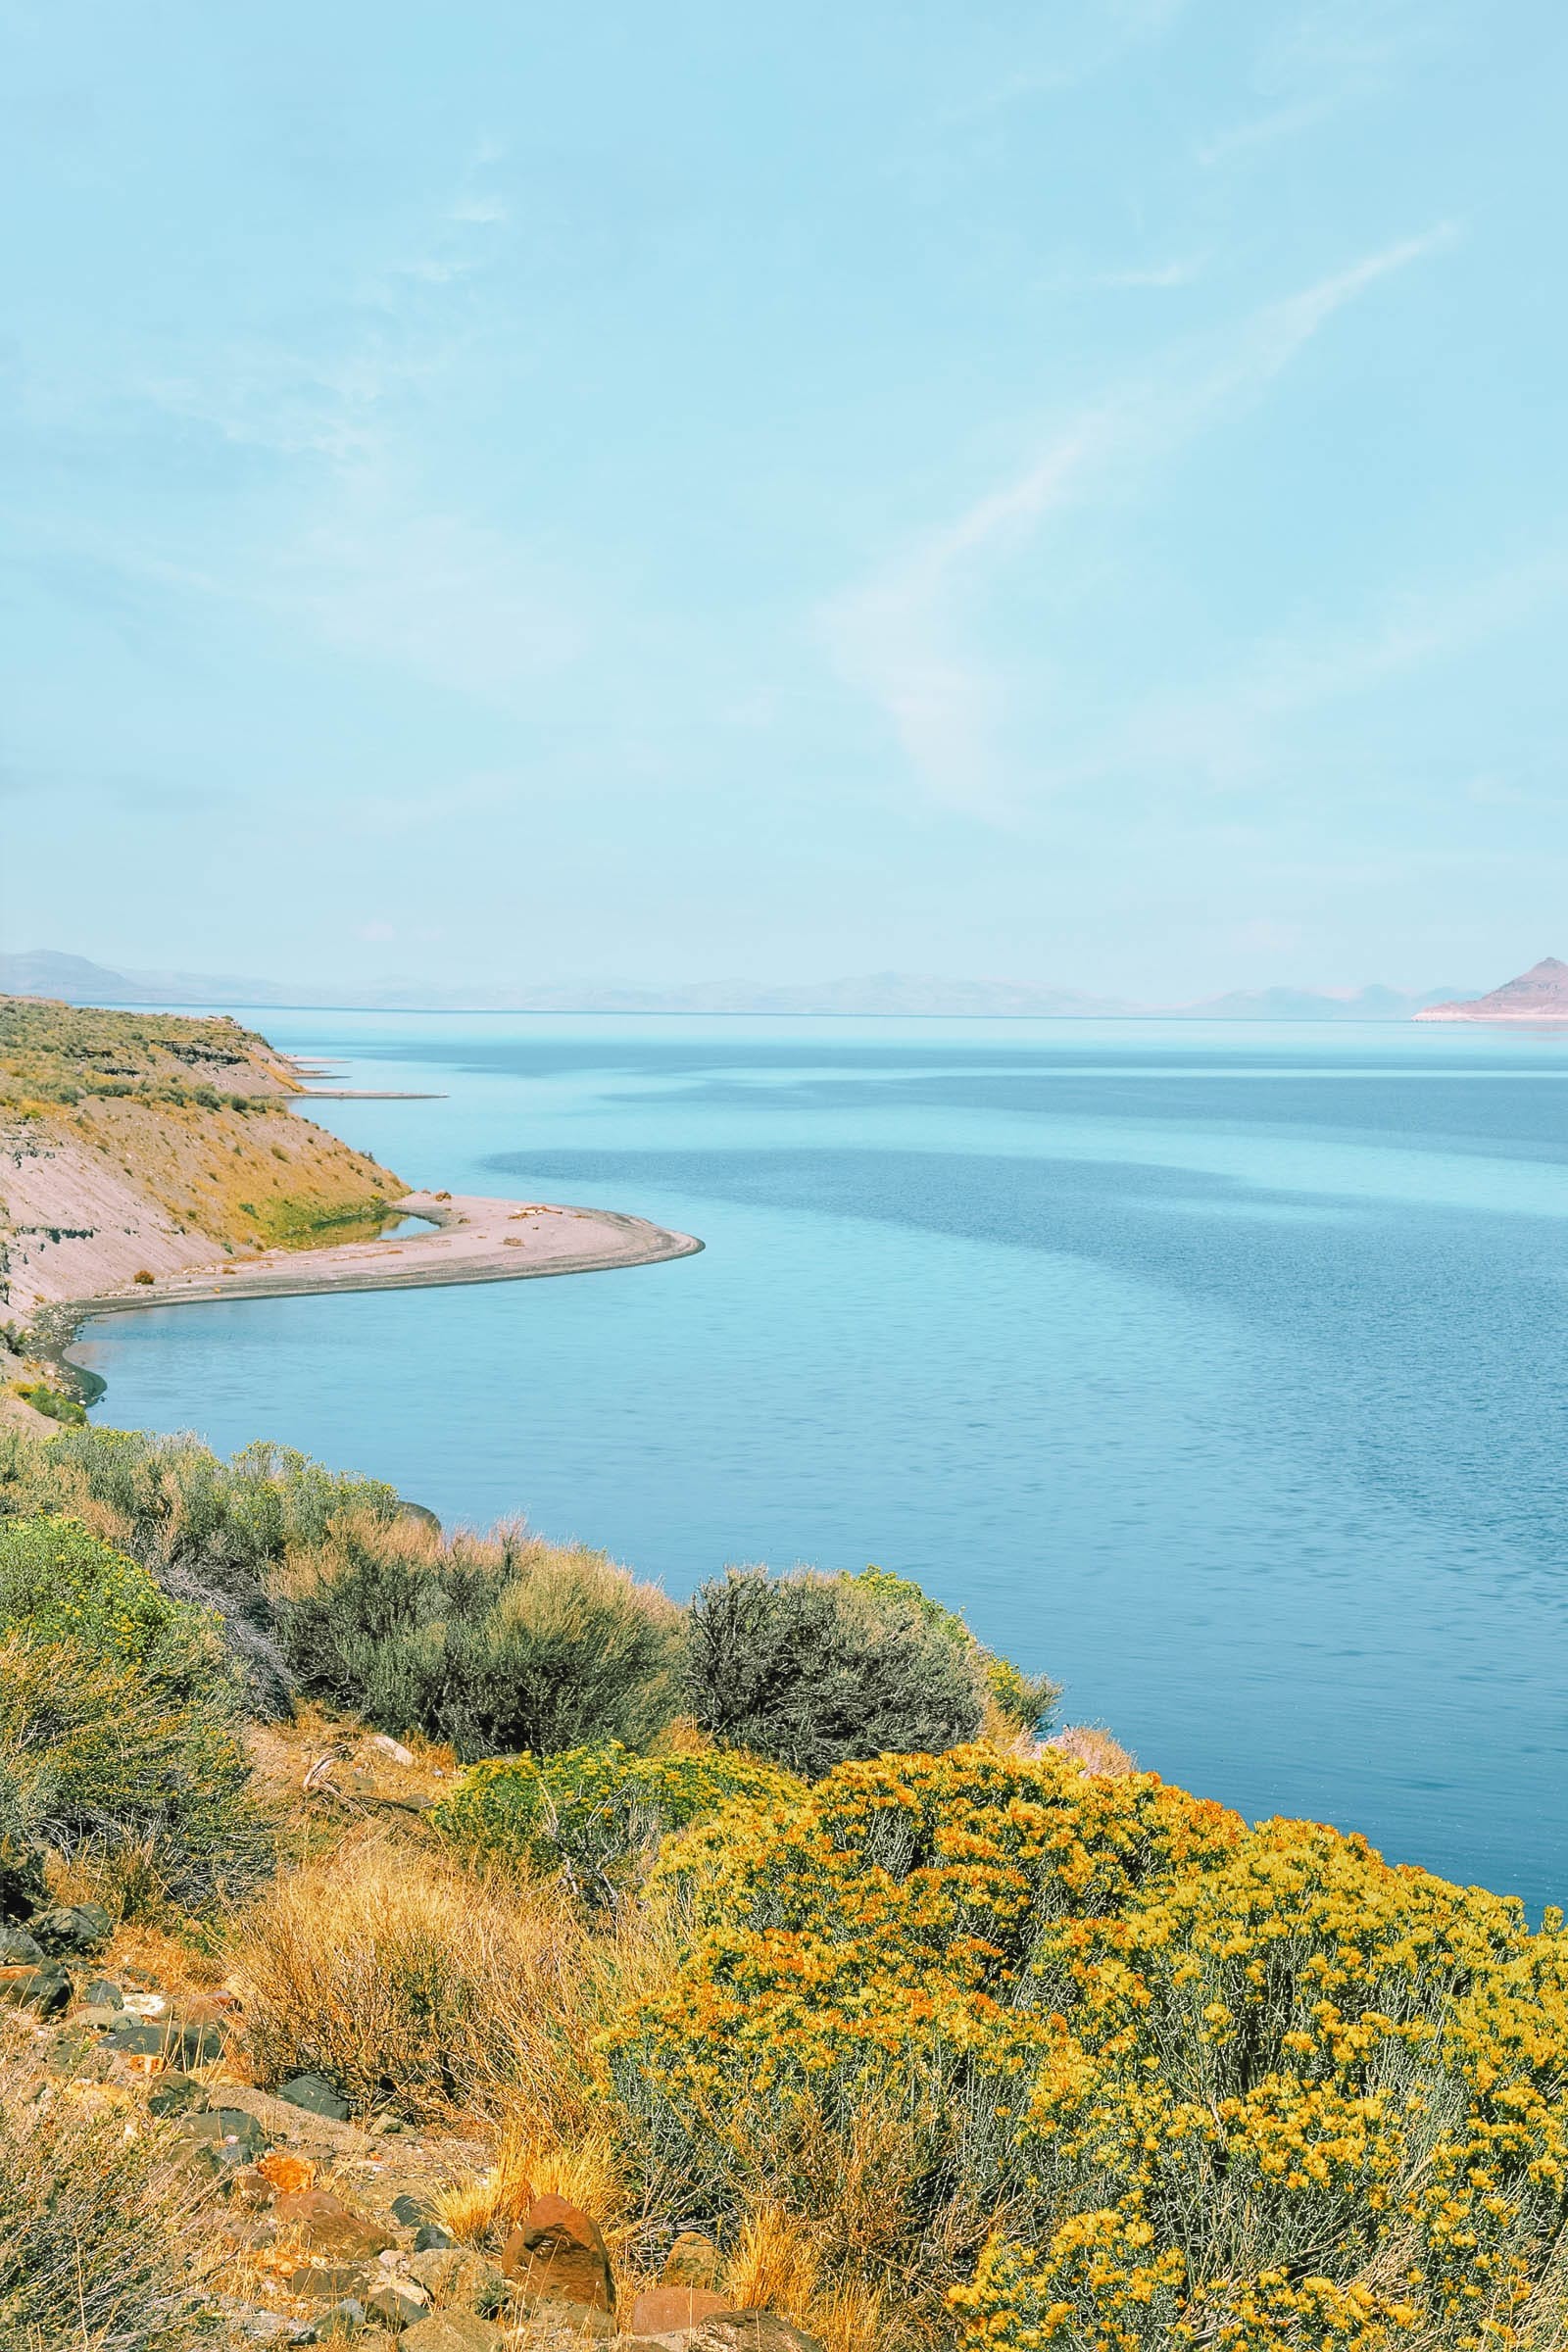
[(1538, 995)]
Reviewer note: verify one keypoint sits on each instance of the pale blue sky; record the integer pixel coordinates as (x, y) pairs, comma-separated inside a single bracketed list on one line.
[(1073, 492)]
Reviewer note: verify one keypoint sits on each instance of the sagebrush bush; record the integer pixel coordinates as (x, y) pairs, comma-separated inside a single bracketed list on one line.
[(597, 1814), (120, 1720), (492, 1644), (211, 1532), (1147, 2076), (810, 1671), (1023, 1702), (104, 2242)]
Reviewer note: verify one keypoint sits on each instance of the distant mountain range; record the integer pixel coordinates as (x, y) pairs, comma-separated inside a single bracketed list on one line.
[(48, 973)]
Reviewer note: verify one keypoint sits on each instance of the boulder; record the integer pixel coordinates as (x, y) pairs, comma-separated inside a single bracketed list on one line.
[(325, 2222), (456, 2276), (43, 1987), (398, 2302), (662, 2310), (104, 1993), (177, 2093), (749, 2332), (557, 2253), (165, 2038), (316, 2095), (430, 2237), (451, 2331), (692, 2260), (228, 2135), (550, 2327), (329, 2282), (70, 1931), (17, 1946)]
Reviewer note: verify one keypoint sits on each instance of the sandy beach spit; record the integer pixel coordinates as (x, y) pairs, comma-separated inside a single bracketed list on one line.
[(472, 1239)]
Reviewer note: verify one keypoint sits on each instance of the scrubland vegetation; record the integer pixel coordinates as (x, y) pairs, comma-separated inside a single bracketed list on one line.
[(768, 1919)]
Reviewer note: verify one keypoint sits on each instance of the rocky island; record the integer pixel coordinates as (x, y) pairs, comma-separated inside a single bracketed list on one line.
[(1538, 995)]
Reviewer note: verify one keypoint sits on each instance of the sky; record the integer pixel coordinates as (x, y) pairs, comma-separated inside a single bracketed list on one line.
[(1072, 493)]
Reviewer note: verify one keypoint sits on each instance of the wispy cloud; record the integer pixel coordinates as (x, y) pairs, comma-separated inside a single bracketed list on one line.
[(1159, 277), (1327, 57), (898, 636), (1223, 735)]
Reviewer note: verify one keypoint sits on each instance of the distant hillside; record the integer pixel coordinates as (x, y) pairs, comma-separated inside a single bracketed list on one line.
[(1305, 1005), (80, 982), (1538, 995), (135, 1142)]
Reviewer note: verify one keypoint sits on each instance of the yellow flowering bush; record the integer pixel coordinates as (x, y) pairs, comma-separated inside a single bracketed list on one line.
[(1165, 2078)]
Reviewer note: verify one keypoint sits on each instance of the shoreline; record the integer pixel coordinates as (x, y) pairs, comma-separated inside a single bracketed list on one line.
[(472, 1237)]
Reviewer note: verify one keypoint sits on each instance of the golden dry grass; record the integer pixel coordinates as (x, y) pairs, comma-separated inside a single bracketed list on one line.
[(417, 1988), (1095, 1748)]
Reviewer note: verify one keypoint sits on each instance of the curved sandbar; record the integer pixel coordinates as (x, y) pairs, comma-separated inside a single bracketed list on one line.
[(472, 1240)]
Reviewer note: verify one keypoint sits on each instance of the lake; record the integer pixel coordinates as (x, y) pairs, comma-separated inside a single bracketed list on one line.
[(1217, 1369)]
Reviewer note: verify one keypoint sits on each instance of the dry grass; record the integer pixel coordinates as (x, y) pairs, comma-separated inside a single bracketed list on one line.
[(775, 2265), (418, 1989), (586, 2172), (105, 2246), (1095, 1748)]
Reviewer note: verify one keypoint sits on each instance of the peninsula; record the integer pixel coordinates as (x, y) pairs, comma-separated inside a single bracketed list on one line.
[(148, 1159), (1538, 995)]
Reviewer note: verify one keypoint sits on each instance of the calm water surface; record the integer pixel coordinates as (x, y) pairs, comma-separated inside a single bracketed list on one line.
[(1220, 1371)]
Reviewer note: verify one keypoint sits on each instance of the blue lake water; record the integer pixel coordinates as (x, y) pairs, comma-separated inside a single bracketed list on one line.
[(1218, 1370)]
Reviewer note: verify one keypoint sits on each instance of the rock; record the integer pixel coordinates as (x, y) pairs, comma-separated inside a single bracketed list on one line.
[(391, 1748), (344, 2320), (460, 2277), (104, 1993), (749, 2332), (325, 2220), (451, 2331), (397, 2301), (17, 1947), (329, 2282), (164, 2038), (251, 2188), (71, 1930), (316, 2095), (555, 2252), (77, 2056), (263, 2327), (176, 2094), (692, 2260), (145, 2038), (664, 2309), (45, 1987), (429, 2237), (550, 2326), (411, 2211), (227, 2134)]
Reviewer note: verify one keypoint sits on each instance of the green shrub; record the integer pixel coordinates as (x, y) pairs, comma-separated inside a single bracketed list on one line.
[(814, 1670), (119, 1717), (54, 1403), (211, 1532), (494, 1644), (1025, 1701), (597, 1814), (103, 2238)]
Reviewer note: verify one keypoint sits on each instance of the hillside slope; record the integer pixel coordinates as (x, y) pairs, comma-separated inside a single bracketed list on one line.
[(138, 1141)]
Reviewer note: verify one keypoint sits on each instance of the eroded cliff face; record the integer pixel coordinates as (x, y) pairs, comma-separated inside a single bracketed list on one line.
[(1538, 995), (147, 1142)]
